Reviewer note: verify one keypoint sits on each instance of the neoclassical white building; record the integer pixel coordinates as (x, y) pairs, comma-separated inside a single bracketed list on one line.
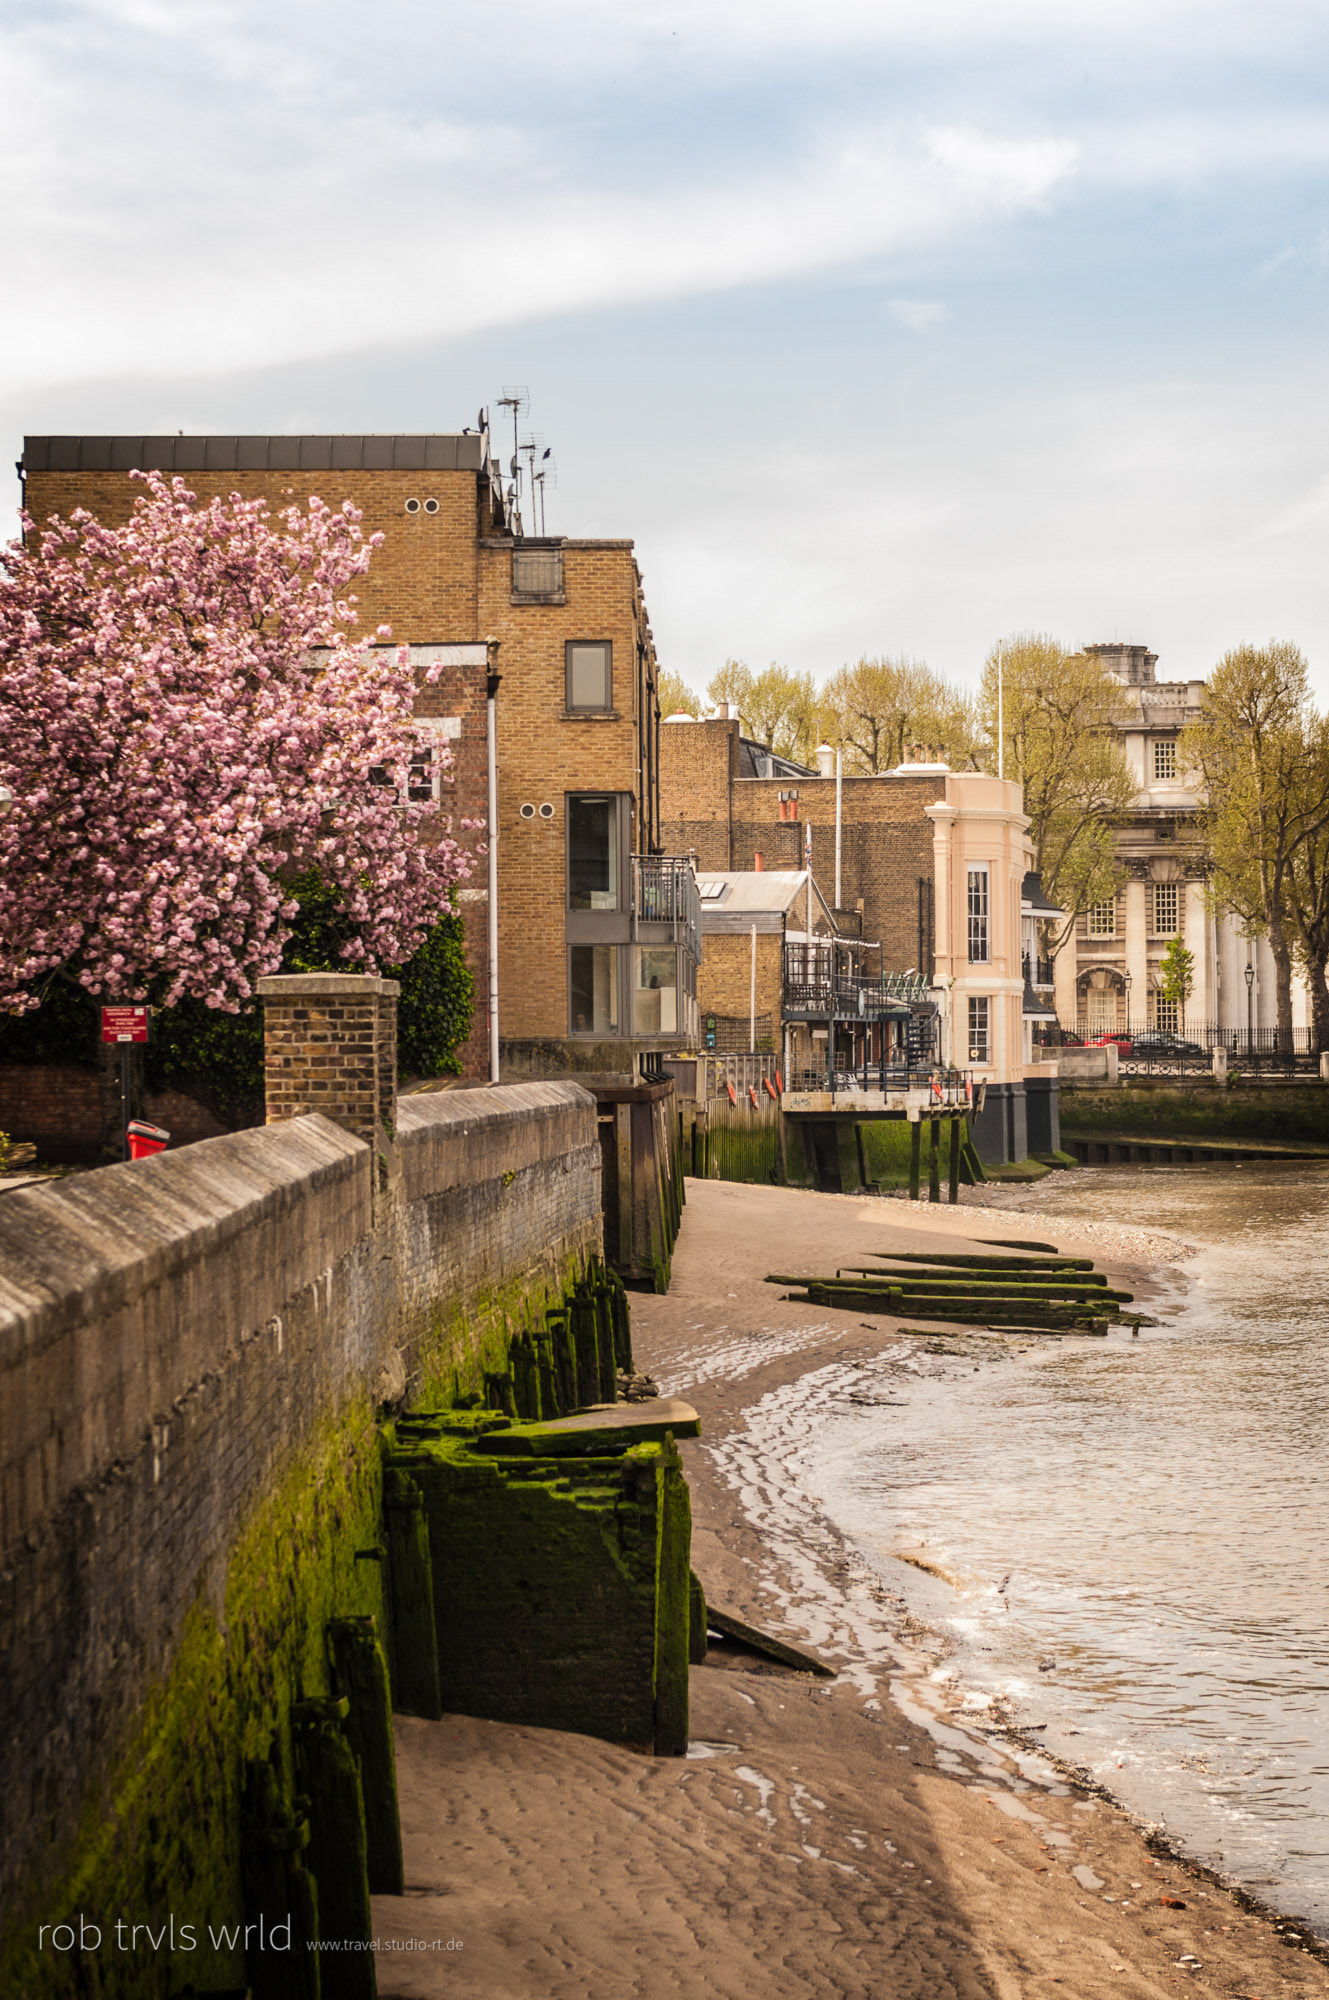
[(1108, 977)]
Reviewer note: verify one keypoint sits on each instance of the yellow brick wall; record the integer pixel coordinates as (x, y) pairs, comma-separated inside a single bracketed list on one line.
[(443, 578), (724, 980)]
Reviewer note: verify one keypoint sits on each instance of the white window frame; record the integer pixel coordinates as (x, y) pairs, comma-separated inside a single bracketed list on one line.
[(1165, 753), (1101, 919), (1160, 929), (979, 1045), (978, 913), (427, 775)]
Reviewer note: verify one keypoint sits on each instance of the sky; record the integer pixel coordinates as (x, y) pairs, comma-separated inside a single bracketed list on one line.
[(882, 328)]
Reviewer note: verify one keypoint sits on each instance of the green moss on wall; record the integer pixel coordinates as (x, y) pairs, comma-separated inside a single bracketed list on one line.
[(161, 1840), (1288, 1112)]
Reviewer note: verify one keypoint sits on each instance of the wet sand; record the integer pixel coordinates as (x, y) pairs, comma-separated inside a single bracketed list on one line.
[(849, 1838)]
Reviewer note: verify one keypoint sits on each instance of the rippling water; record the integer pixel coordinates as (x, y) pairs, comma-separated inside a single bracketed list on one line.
[(1132, 1533)]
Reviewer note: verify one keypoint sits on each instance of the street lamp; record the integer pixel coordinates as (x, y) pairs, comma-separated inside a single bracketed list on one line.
[(1250, 989), (1126, 988)]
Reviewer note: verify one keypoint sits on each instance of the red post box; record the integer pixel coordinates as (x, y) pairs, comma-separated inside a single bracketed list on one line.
[(145, 1139)]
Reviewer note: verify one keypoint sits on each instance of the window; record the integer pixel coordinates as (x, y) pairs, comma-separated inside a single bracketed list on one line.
[(1165, 909), (1103, 919), (590, 680), (593, 989), (655, 990), (1165, 760), (592, 853), (978, 916), (1102, 1011), (431, 761), (1166, 1015), (712, 891), (979, 1030), (537, 573)]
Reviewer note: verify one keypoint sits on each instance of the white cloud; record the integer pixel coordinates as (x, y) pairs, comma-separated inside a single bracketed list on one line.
[(420, 232), (919, 315)]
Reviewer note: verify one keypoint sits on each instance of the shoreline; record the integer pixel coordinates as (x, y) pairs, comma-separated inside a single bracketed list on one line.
[(853, 1838)]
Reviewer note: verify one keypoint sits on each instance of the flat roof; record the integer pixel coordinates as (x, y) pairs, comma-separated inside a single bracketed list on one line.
[(364, 451)]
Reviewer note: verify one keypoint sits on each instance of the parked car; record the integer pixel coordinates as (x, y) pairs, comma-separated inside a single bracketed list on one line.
[(1163, 1047), (1123, 1042)]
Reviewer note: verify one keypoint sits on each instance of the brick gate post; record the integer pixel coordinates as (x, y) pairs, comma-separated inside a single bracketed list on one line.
[(330, 1045)]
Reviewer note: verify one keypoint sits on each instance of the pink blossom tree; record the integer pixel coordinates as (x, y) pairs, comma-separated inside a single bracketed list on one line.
[(188, 724)]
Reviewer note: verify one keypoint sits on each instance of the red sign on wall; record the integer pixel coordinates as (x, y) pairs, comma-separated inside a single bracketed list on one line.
[(124, 1024)]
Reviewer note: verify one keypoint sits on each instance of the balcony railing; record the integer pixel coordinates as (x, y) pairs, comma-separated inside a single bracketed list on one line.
[(818, 989), (1040, 971), (664, 891)]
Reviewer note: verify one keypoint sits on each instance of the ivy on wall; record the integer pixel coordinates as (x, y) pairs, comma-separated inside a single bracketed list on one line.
[(218, 1058)]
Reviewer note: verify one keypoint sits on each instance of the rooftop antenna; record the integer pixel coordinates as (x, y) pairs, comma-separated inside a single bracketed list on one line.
[(546, 472), (531, 446), (517, 399)]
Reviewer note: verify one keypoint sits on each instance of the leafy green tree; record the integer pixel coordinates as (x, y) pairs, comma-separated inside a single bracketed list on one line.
[(878, 708), (676, 697), (1257, 753), (775, 707), (1057, 710), (1178, 974)]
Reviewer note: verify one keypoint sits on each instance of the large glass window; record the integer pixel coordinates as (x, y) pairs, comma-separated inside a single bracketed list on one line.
[(590, 675), (655, 990), (1166, 909), (592, 852), (1103, 919), (1165, 760), (978, 916), (1167, 1014), (980, 1028), (593, 989)]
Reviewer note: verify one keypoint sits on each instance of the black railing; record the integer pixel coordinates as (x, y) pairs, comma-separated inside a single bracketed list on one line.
[(1040, 971)]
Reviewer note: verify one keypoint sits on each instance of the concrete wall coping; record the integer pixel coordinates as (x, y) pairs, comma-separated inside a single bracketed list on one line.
[(343, 985), (79, 1249)]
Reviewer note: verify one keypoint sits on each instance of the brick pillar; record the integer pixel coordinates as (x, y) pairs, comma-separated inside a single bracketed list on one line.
[(330, 1045)]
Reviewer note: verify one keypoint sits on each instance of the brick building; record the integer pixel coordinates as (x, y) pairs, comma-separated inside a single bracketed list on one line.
[(933, 867), (730, 800), (598, 929)]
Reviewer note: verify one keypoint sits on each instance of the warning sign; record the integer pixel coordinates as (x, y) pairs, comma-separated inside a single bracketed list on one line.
[(124, 1024)]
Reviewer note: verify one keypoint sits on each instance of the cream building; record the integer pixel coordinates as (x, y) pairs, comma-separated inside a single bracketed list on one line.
[(1108, 979), (987, 906)]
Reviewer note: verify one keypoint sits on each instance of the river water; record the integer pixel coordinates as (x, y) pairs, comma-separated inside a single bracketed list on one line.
[(1127, 1539)]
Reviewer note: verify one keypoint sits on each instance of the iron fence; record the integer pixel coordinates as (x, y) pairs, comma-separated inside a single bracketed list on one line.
[(664, 891), (947, 1087)]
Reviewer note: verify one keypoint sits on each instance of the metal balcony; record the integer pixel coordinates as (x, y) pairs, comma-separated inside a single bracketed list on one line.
[(664, 891)]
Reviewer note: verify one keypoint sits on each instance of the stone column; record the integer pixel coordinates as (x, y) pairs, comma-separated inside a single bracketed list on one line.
[(1195, 926), (1137, 950), (330, 1045)]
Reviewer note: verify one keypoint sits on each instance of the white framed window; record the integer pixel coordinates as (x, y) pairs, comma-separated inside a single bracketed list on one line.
[(1167, 909), (430, 766), (1167, 1015), (1165, 759), (978, 915), (1102, 919), (980, 1028)]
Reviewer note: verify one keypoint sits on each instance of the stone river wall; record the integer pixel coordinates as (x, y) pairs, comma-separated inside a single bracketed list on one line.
[(195, 1355)]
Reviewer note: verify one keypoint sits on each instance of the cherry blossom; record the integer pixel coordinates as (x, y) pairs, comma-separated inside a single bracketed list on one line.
[(188, 721)]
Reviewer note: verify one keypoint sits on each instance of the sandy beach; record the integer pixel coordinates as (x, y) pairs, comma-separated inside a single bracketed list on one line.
[(854, 1837)]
